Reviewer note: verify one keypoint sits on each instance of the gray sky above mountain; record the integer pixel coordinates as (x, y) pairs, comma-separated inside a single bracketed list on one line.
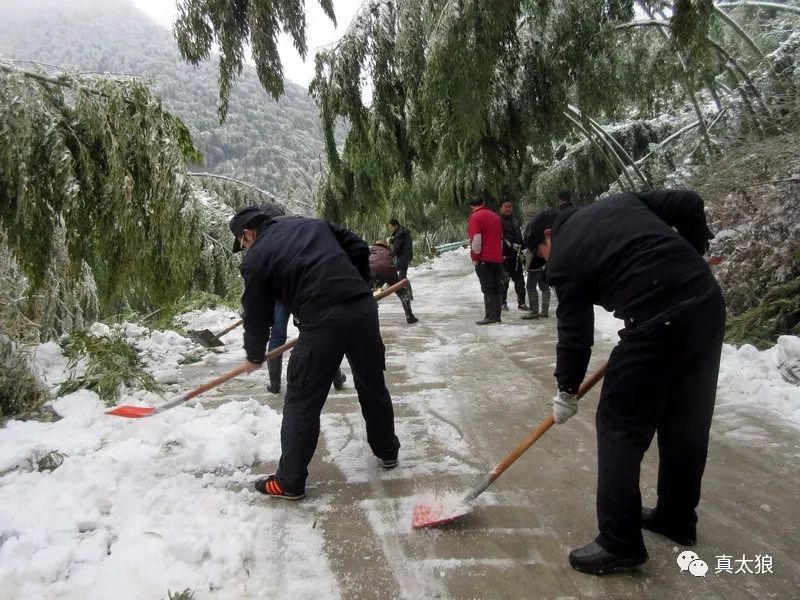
[(319, 32)]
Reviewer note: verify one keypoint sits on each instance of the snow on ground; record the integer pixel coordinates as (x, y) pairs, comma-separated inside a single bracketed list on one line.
[(140, 507), (137, 508)]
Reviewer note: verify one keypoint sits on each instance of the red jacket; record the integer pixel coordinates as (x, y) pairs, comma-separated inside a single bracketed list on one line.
[(485, 232)]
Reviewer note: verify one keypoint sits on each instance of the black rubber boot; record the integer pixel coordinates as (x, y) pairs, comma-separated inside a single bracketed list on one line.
[(488, 310), (410, 318), (274, 367), (498, 307)]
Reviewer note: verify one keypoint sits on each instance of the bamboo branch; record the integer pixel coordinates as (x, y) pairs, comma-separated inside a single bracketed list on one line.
[(233, 180), (738, 29), (610, 138), (602, 150), (786, 7)]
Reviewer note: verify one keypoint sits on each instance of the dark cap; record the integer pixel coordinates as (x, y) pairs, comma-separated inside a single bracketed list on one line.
[(476, 201), (249, 216)]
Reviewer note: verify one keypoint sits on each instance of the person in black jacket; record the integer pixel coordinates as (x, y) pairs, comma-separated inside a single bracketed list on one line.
[(280, 321), (383, 272), (402, 247), (623, 254), (513, 262), (321, 272)]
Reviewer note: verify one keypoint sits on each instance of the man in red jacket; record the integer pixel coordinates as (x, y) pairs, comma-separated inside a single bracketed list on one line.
[(485, 232)]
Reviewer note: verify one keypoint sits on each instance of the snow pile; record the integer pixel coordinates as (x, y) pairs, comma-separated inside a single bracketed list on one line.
[(752, 379), (139, 508)]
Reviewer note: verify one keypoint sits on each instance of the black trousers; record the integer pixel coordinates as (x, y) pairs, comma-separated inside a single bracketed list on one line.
[(661, 379), (513, 266), (490, 275), (350, 329)]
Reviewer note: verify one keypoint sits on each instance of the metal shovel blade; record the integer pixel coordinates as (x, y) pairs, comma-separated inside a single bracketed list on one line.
[(206, 338)]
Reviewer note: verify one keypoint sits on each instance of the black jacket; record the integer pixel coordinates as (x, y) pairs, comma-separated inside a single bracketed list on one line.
[(512, 234), (623, 254), (401, 244), (308, 265)]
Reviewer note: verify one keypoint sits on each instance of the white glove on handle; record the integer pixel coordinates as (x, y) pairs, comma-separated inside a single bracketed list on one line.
[(565, 405)]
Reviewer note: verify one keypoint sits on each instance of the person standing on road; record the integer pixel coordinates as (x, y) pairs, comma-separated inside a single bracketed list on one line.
[(402, 247), (513, 262), (321, 272), (622, 253), (383, 271), (485, 233), (536, 281)]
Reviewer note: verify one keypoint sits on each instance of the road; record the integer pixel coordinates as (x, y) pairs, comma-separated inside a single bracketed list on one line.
[(464, 396)]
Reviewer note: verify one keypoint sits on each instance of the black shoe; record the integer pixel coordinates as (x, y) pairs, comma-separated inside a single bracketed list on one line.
[(272, 487), (338, 381), (389, 463), (530, 315), (523, 307), (682, 536), (505, 306), (486, 321), (411, 319), (595, 559)]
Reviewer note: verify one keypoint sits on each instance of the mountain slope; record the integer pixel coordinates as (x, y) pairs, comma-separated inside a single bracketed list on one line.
[(274, 145)]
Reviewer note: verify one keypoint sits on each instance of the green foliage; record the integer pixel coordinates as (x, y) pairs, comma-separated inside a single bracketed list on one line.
[(20, 391), (110, 363), (277, 146), (92, 189), (778, 314), (231, 27), (473, 97), (186, 594)]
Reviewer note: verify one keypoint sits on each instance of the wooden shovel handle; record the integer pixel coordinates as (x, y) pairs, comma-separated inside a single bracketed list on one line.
[(229, 329), (546, 424), (270, 355)]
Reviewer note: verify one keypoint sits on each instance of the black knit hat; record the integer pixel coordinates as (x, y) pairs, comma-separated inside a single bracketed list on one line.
[(248, 217)]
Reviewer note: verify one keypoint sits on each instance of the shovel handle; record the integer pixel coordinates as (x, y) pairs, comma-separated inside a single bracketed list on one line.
[(532, 437), (229, 329), (269, 356), (391, 289)]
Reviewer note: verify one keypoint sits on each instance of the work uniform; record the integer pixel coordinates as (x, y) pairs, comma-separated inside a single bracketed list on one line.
[(320, 272), (622, 253)]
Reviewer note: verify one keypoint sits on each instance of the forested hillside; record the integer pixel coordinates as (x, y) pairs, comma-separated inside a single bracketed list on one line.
[(274, 145)]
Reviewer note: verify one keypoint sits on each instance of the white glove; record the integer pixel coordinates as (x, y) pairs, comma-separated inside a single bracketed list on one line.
[(565, 405)]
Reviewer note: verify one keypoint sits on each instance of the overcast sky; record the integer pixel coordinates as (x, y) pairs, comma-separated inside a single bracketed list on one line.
[(319, 31)]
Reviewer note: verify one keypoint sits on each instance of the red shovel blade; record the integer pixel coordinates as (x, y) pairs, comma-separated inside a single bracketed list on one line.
[(435, 514), (131, 412)]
